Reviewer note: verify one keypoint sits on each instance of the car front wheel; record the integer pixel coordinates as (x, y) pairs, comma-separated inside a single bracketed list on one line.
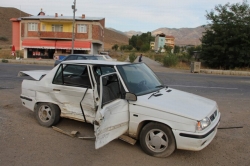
[(157, 140), (47, 114)]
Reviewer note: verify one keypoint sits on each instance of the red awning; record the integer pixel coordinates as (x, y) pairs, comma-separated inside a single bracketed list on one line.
[(36, 43), (78, 45), (55, 44)]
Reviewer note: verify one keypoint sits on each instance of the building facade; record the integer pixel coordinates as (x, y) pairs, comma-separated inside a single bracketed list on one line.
[(152, 45), (162, 40), (159, 41), (169, 41), (48, 36)]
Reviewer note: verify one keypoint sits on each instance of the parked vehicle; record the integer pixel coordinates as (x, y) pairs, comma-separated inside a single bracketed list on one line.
[(76, 57), (120, 98), (107, 57), (100, 57)]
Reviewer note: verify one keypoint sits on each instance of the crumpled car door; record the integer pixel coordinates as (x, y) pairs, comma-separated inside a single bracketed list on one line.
[(112, 117)]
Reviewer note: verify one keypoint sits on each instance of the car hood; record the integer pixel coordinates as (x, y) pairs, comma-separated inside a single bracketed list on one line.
[(35, 74), (179, 103)]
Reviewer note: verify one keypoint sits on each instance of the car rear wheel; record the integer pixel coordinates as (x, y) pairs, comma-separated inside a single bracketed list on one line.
[(47, 114), (157, 140)]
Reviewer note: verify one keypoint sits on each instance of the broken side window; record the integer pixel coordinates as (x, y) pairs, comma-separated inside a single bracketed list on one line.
[(72, 75)]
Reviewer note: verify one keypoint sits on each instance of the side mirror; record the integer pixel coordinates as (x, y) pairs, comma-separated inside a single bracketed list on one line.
[(130, 96)]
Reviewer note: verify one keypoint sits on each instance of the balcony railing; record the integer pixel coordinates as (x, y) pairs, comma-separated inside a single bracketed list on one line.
[(55, 35)]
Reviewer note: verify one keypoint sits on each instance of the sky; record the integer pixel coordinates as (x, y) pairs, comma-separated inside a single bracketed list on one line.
[(126, 15)]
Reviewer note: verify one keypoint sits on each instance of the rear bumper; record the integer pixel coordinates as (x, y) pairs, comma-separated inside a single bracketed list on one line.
[(28, 102), (195, 141)]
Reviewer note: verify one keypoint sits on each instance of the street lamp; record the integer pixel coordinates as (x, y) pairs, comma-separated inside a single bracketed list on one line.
[(73, 30)]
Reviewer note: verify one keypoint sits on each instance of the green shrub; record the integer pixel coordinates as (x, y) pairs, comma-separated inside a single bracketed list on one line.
[(4, 61), (185, 57), (170, 60), (158, 57), (132, 57)]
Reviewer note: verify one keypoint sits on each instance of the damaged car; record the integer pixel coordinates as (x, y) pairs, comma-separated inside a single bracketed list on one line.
[(121, 98)]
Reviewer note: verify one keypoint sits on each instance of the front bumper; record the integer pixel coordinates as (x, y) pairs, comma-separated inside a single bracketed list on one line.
[(195, 141)]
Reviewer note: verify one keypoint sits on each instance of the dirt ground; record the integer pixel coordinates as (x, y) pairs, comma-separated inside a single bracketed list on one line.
[(24, 142)]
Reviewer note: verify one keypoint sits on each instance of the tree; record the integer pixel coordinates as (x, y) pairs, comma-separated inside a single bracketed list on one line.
[(225, 43), (177, 49), (141, 42), (115, 47), (122, 47), (129, 47)]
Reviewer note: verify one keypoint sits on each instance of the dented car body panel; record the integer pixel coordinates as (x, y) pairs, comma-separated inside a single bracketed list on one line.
[(94, 92)]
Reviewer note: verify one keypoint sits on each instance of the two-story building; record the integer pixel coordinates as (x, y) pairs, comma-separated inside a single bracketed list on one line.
[(46, 36)]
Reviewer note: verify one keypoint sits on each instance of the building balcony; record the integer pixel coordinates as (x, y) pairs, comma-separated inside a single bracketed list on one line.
[(55, 35)]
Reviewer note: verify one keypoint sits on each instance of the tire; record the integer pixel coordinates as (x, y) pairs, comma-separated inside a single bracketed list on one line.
[(163, 142), (47, 114)]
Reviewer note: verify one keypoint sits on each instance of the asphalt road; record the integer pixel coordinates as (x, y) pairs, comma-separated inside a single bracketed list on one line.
[(24, 142)]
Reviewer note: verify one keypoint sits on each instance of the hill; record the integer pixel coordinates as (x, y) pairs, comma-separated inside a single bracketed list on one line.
[(112, 37), (6, 13)]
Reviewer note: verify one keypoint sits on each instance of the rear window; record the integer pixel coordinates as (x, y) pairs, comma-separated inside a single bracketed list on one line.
[(70, 57), (108, 57), (100, 58), (91, 58)]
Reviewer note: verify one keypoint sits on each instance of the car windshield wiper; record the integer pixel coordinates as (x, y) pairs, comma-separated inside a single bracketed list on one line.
[(157, 93), (161, 86)]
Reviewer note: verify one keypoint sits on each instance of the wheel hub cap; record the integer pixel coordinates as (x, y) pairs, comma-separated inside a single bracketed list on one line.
[(45, 113), (156, 140)]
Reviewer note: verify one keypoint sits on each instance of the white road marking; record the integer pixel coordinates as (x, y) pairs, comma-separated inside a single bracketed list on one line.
[(203, 87)]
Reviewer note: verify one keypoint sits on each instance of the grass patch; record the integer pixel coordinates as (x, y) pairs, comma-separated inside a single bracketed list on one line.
[(6, 54), (4, 61)]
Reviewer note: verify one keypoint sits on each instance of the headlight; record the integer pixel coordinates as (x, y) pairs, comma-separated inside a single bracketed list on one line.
[(201, 125)]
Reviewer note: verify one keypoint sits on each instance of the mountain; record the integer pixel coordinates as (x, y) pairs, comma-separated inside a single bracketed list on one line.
[(6, 13), (131, 33), (183, 36)]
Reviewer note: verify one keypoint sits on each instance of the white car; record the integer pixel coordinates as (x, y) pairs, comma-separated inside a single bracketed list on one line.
[(121, 98)]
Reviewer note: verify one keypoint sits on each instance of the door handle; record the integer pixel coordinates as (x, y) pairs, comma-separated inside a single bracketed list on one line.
[(56, 90)]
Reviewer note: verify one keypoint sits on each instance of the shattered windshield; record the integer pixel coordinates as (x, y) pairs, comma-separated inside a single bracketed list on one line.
[(139, 78)]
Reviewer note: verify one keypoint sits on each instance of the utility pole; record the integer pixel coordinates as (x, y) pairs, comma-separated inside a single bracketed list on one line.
[(73, 30)]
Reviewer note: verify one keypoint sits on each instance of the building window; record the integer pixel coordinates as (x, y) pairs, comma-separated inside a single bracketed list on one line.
[(43, 27), (32, 27), (57, 28), (81, 28)]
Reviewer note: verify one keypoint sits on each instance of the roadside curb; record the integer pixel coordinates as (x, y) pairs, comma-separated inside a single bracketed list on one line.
[(37, 61), (225, 72)]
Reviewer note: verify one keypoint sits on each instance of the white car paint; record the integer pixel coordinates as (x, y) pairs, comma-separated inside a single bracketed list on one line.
[(37, 74), (176, 109)]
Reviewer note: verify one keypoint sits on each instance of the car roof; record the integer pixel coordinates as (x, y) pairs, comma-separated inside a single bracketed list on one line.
[(81, 54), (95, 62)]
